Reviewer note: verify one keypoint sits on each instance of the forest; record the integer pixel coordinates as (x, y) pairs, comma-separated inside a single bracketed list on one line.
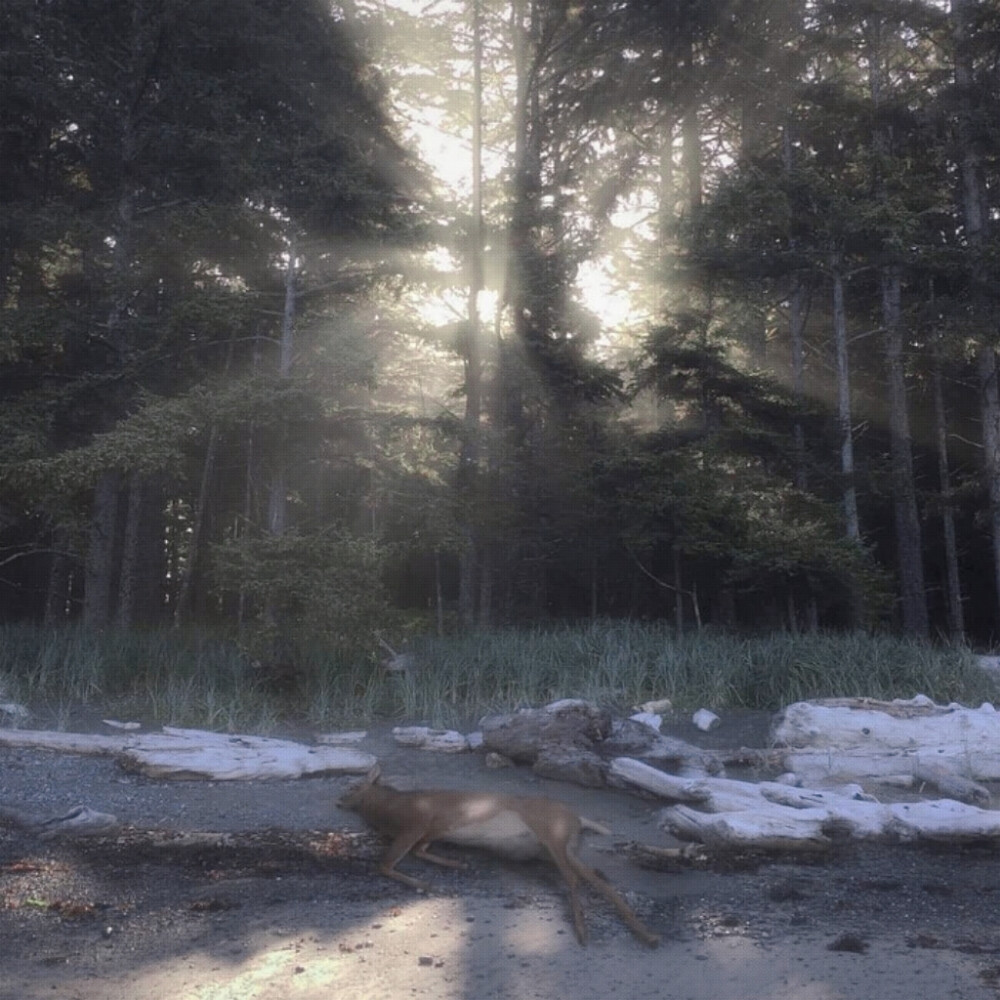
[(374, 317)]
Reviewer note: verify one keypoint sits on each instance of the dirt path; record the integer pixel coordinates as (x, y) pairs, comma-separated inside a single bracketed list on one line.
[(282, 902)]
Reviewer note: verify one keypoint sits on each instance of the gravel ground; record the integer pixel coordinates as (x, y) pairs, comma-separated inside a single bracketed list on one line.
[(266, 890)]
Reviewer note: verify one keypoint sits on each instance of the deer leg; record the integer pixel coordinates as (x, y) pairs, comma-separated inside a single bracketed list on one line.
[(608, 891), (398, 849), (560, 857), (420, 851)]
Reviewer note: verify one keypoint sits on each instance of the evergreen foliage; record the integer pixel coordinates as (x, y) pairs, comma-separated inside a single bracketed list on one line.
[(240, 323)]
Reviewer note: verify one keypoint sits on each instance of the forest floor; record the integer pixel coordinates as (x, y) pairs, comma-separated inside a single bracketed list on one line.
[(268, 891)]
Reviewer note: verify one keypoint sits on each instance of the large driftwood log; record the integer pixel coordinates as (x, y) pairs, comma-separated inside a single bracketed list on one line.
[(523, 735), (192, 753), (950, 747), (195, 753), (898, 725), (764, 831), (572, 740), (772, 815)]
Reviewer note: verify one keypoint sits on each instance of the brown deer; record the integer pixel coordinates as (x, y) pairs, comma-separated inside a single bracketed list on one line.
[(516, 827)]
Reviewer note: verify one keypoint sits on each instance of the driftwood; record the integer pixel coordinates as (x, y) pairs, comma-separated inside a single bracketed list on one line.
[(523, 735), (195, 753), (772, 815), (443, 740), (834, 722), (910, 769), (574, 740), (949, 747), (582, 767), (705, 720)]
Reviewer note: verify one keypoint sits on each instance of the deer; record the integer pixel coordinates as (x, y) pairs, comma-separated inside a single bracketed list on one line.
[(519, 828)]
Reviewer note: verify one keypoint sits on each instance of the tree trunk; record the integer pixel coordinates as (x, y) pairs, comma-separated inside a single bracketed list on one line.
[(467, 565), (909, 542), (678, 590), (691, 132), (57, 594), (989, 395), (594, 585), (128, 583), (469, 457), (103, 552), (188, 569), (974, 213), (909, 545), (953, 588), (438, 594), (277, 492), (797, 311), (102, 549), (797, 326), (852, 525), (486, 616), (242, 612), (187, 572)]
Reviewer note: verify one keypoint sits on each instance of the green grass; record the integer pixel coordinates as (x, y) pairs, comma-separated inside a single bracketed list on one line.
[(621, 664), (167, 678)]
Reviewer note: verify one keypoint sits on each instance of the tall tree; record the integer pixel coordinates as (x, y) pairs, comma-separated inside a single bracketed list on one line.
[(970, 134), (890, 275), (186, 145)]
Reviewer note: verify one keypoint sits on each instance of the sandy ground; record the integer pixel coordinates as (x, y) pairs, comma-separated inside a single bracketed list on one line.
[(282, 901)]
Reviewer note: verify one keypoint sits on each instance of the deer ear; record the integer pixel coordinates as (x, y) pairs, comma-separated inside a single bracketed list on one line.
[(373, 775)]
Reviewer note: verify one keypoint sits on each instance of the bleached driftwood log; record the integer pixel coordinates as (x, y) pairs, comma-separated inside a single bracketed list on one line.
[(771, 830), (425, 738), (772, 815), (195, 753), (894, 725), (950, 747), (85, 743)]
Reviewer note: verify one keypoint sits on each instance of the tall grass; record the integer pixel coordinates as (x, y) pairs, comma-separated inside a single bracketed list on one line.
[(156, 676), (166, 678), (624, 663)]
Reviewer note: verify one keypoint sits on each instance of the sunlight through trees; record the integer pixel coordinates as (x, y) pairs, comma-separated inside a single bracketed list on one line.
[(324, 319)]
